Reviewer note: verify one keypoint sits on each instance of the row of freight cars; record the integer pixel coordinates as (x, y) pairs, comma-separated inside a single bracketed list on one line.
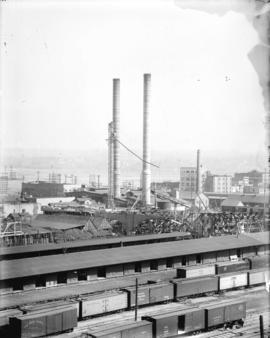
[(171, 323), (179, 321), (45, 318)]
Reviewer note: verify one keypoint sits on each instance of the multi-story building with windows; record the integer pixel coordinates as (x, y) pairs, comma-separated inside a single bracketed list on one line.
[(218, 183), (188, 179)]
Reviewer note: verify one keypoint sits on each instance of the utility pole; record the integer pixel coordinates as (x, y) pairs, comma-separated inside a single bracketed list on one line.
[(264, 193), (136, 300), (179, 183), (261, 327)]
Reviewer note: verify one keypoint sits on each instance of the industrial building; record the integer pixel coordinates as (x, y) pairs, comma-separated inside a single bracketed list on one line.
[(42, 189), (117, 262), (218, 183), (258, 201)]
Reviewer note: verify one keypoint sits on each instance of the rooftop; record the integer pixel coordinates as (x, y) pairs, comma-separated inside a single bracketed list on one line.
[(60, 222), (232, 203), (67, 262), (89, 243)]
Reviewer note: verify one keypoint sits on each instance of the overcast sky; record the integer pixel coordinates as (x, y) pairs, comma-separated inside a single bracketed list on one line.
[(58, 62)]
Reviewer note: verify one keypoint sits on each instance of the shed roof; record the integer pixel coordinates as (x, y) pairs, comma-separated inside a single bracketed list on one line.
[(232, 203), (59, 222), (250, 198), (262, 236), (74, 261)]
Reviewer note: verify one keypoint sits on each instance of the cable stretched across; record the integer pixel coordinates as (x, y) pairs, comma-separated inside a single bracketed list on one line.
[(132, 152)]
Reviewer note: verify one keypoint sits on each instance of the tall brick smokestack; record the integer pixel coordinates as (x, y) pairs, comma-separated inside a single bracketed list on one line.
[(110, 165), (116, 129), (198, 179), (146, 181)]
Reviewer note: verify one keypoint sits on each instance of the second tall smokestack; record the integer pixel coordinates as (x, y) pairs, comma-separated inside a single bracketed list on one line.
[(116, 128), (146, 179), (198, 178)]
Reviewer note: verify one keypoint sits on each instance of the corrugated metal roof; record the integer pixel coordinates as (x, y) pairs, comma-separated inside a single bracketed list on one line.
[(91, 242), (74, 261)]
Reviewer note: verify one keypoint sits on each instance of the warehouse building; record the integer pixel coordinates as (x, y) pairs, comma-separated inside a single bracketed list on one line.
[(42, 189), (124, 261), (218, 183)]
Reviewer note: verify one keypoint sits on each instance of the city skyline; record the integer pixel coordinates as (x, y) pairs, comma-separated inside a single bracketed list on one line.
[(58, 94)]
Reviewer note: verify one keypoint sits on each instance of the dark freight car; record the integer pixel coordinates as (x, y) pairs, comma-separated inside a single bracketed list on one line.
[(42, 323), (50, 305), (112, 333), (163, 325), (177, 322), (224, 312), (31, 325), (137, 330), (190, 320), (133, 330), (226, 267), (6, 314), (195, 286), (143, 295), (161, 292)]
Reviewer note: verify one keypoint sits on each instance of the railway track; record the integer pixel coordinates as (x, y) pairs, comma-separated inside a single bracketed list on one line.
[(250, 329)]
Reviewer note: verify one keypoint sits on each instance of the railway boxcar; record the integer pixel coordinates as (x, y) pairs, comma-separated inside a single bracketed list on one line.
[(163, 325), (232, 280), (173, 323), (195, 286), (258, 276), (50, 305), (109, 333), (102, 303), (133, 330), (196, 271), (224, 312), (259, 262), (6, 314), (4, 322), (161, 292), (227, 267), (143, 295), (43, 323)]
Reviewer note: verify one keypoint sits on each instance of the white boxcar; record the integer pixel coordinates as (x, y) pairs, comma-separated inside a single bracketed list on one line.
[(196, 271), (232, 281), (258, 276), (102, 303)]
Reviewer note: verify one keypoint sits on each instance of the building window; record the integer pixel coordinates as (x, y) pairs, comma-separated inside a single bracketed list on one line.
[(138, 267), (169, 263), (153, 265), (198, 259)]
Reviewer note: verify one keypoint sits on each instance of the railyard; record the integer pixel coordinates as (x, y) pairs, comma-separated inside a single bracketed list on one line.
[(257, 302), (190, 257), (175, 272)]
